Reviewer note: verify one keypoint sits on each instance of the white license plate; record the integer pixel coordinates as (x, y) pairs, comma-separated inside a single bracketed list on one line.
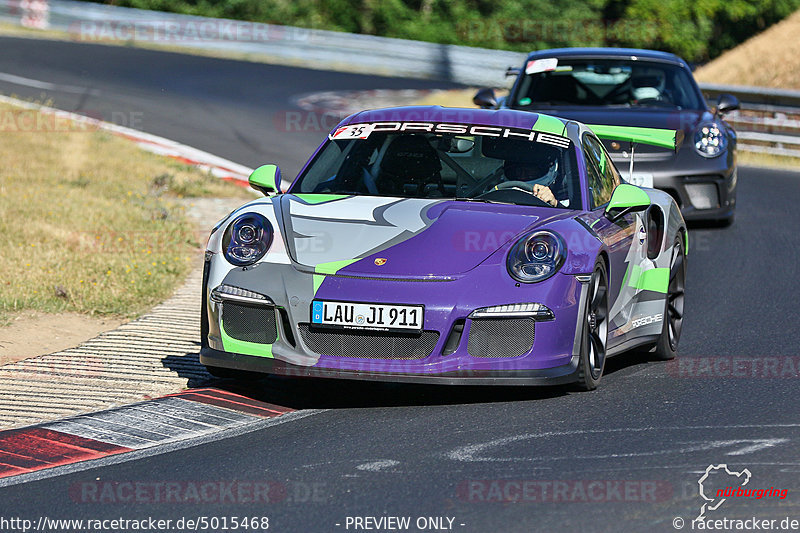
[(640, 179), (383, 317)]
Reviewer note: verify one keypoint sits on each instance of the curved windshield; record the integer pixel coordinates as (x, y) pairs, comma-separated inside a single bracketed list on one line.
[(605, 82), (456, 161)]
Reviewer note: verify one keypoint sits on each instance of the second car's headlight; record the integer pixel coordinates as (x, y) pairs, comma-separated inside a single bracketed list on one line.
[(247, 239), (710, 140), (536, 257)]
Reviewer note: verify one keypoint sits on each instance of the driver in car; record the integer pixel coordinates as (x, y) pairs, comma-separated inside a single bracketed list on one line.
[(542, 176)]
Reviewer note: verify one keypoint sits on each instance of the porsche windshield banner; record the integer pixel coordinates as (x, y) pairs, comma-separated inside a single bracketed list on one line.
[(363, 131)]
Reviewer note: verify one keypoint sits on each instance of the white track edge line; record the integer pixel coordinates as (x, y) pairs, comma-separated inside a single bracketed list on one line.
[(220, 166)]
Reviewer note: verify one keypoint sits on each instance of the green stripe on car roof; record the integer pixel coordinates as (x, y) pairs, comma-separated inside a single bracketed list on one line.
[(548, 124)]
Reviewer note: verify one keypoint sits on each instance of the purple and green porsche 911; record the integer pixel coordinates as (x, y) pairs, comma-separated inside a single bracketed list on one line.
[(456, 246)]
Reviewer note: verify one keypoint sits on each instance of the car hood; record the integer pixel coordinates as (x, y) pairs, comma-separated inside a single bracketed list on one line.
[(399, 238)]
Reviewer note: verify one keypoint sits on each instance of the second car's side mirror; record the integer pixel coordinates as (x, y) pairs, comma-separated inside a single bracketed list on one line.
[(626, 198), (266, 179), (727, 103), (485, 99)]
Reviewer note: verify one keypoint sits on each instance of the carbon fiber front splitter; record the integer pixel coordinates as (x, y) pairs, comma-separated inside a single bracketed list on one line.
[(548, 376)]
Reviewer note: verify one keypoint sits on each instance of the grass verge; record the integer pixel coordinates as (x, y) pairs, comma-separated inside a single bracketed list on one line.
[(769, 59), (455, 97), (91, 223), (757, 159)]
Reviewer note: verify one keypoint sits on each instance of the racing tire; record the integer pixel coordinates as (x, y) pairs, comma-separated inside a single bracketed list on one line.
[(594, 336), (667, 346)]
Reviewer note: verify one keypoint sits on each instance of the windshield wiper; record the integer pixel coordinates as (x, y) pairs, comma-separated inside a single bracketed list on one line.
[(481, 201), (544, 103), (663, 105)]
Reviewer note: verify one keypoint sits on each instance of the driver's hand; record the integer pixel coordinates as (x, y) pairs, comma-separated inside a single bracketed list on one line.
[(545, 194)]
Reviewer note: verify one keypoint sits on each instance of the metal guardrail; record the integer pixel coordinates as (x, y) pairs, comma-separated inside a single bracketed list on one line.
[(321, 49), (768, 121), (763, 96)]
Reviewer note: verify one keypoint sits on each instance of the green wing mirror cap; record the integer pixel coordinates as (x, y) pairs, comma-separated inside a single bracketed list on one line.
[(266, 179), (628, 196)]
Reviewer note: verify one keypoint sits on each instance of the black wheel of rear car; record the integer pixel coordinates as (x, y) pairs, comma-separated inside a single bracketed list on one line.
[(595, 331), (667, 346)]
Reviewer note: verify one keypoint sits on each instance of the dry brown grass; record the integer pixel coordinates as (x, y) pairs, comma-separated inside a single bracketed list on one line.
[(451, 98), (90, 223), (454, 97), (756, 159), (770, 59)]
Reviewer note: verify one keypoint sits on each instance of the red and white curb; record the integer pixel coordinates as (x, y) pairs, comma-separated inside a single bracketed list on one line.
[(217, 166), (184, 416)]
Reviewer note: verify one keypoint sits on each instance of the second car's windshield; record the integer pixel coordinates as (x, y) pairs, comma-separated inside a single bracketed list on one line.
[(605, 82), (478, 163)]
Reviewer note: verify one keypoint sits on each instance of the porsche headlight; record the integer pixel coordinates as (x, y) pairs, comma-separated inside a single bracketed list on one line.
[(709, 140), (536, 257), (247, 239)]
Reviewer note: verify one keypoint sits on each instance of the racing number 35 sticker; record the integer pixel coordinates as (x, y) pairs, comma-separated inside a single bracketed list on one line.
[(355, 131)]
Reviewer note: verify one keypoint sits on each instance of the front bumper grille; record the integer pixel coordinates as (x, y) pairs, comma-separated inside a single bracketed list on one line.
[(500, 337), (250, 323), (369, 344)]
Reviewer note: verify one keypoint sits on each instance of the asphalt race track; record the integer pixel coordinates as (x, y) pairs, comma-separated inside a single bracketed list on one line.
[(228, 108), (626, 457)]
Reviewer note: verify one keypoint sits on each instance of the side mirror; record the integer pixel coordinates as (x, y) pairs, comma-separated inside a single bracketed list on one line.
[(626, 198), (727, 103), (485, 99), (266, 179)]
